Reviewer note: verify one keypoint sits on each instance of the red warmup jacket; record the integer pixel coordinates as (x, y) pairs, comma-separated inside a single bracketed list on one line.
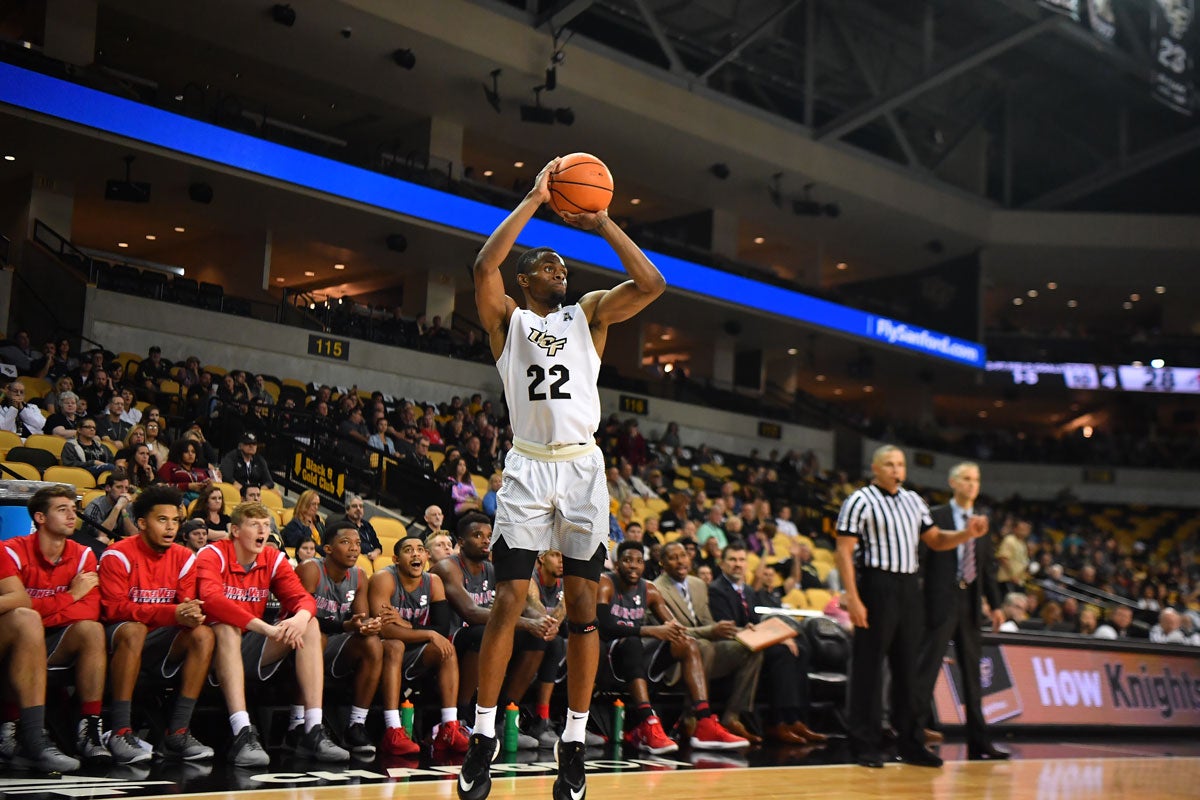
[(236, 596), (48, 584), (139, 584)]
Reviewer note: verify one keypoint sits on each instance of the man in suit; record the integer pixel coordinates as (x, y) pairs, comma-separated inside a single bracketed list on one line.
[(687, 597), (956, 581), (786, 664)]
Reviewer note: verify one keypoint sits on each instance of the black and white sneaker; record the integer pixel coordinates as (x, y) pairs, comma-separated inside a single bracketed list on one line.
[(246, 750), (571, 783), (475, 779), (358, 742)]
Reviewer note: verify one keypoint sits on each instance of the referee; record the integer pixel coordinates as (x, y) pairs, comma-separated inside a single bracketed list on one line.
[(879, 528)]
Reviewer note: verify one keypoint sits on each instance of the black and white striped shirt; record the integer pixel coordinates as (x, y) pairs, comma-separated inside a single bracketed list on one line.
[(888, 527)]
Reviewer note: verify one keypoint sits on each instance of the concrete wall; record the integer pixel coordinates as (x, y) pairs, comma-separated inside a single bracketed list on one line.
[(131, 324), (1044, 481)]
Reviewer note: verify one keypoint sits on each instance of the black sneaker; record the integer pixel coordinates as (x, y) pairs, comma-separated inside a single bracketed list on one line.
[(247, 751), (475, 779), (571, 783), (291, 739), (358, 742)]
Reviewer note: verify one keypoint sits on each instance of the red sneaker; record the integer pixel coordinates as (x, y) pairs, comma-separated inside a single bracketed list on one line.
[(397, 743), (452, 737), (651, 737), (711, 735)]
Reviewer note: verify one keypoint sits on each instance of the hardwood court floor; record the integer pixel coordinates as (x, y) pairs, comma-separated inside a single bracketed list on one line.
[(1078, 769)]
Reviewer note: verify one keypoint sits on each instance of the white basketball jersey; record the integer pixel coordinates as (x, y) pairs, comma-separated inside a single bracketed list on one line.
[(549, 367)]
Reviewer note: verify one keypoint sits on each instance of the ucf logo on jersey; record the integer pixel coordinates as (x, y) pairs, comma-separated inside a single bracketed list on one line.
[(547, 342)]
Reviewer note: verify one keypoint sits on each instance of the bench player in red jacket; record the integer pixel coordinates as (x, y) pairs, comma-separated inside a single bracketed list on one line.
[(152, 618), (60, 576), (236, 576)]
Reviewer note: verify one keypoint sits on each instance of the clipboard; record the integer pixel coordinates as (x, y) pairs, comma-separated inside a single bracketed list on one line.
[(770, 631)]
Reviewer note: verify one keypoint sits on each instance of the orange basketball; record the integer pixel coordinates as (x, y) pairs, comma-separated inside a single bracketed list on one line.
[(580, 183)]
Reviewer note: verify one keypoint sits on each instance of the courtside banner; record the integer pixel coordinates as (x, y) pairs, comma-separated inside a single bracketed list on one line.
[(1041, 685)]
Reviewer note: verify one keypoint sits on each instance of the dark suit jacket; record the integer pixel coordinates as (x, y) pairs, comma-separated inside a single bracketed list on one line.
[(940, 572), (724, 603)]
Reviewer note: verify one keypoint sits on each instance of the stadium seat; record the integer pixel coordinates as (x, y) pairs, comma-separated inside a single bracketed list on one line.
[(26, 471), (366, 565), (185, 290), (9, 440), (41, 460), (232, 495), (271, 498), (285, 516), (481, 485), (215, 370), (88, 495), (795, 599), (36, 387), (78, 477), (48, 442), (388, 527), (437, 458)]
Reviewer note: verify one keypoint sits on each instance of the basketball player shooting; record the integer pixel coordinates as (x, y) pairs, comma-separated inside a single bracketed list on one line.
[(555, 494)]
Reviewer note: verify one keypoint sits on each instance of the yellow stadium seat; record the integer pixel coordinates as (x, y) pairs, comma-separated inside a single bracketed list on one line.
[(680, 483), (78, 477), (102, 478), (124, 358), (36, 387), (170, 387), (271, 498), (389, 528), (818, 598), (752, 560), (795, 599), (481, 485), (656, 505), (295, 384), (9, 440), (671, 536), (683, 472), (215, 370), (89, 495), (110, 446), (47, 442), (823, 568), (285, 516), (232, 495), (437, 458), (27, 472), (366, 565), (272, 389)]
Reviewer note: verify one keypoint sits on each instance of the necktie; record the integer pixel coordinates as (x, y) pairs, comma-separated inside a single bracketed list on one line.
[(742, 594), (966, 557), (683, 588)]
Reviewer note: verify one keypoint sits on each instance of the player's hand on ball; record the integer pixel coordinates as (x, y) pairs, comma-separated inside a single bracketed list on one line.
[(541, 184), (586, 220)]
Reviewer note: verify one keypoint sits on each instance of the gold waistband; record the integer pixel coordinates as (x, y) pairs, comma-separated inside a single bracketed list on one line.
[(552, 452)]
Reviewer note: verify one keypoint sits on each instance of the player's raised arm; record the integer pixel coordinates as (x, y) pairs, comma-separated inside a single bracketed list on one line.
[(623, 301), (493, 304)]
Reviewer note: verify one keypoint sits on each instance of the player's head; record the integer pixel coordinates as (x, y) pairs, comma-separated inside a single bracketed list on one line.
[(409, 555), (52, 510), (550, 562), (342, 544), (542, 275), (156, 513), (249, 527), (675, 561), (630, 562), (474, 534)]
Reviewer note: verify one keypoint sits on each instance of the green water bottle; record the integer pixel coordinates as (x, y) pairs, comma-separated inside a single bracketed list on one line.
[(406, 717), (511, 729), (618, 726)]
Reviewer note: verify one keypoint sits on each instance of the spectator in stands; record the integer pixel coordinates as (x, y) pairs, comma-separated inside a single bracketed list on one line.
[(687, 597), (478, 461), (98, 393), (470, 583), (60, 577), (155, 441), (244, 466), (183, 471), (1120, 625), (63, 384), (432, 519), (411, 603), (154, 620), (87, 452), (625, 516), (676, 514), (1168, 630), (489, 499), (785, 664), (131, 414), (64, 421), (23, 737), (1013, 557), (353, 651), (462, 490), (367, 537), (1015, 613), (1089, 621), (201, 396), (631, 445), (17, 415), (63, 363), (379, 440), (135, 437), (112, 428), (20, 353), (420, 457), (306, 520), (259, 393), (617, 490), (354, 438), (714, 526), (153, 370), (206, 454), (639, 653), (427, 427), (111, 512), (210, 507), (193, 534), (235, 599), (141, 468), (670, 437), (188, 375)]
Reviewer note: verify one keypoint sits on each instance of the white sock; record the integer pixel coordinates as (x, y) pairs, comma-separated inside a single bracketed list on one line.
[(449, 714), (239, 720), (391, 717), (485, 721), (358, 716), (312, 718), (296, 717), (576, 726)]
